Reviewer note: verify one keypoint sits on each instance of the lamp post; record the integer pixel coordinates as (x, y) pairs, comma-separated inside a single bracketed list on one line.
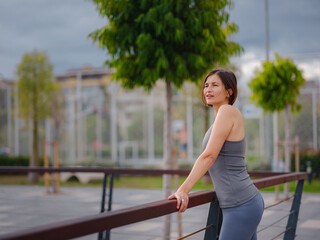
[(268, 117)]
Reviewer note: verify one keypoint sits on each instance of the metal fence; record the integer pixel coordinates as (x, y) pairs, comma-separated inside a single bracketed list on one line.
[(105, 221)]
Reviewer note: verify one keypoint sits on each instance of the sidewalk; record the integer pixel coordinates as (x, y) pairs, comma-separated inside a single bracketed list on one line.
[(28, 206)]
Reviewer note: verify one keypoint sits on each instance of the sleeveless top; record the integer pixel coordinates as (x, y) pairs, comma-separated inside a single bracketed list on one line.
[(231, 180)]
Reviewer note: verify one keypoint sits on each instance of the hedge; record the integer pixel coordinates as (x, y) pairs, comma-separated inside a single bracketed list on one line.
[(314, 158), (16, 161)]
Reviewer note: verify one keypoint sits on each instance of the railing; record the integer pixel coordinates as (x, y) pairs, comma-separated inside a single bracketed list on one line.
[(108, 220)]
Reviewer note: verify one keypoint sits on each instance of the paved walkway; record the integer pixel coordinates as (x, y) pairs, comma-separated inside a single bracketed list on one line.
[(28, 206)]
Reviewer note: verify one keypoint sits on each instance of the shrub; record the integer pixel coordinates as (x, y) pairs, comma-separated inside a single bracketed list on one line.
[(313, 157), (16, 161)]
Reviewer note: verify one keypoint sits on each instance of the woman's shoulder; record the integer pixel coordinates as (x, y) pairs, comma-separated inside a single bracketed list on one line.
[(229, 110)]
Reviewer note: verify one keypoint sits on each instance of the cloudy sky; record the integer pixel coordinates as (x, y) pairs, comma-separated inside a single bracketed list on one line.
[(60, 28)]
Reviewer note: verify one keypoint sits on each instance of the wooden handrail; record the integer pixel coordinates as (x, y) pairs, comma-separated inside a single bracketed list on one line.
[(108, 220), (276, 180)]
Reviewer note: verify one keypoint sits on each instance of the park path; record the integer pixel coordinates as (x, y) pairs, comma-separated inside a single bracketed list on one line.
[(28, 206)]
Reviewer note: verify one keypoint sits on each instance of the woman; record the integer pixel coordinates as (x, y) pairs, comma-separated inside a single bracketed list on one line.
[(224, 157)]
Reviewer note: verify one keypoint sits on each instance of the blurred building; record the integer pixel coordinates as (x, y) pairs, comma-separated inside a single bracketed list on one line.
[(96, 122), (104, 123)]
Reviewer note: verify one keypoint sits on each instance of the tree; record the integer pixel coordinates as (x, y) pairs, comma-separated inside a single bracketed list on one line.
[(170, 40), (276, 88), (35, 92)]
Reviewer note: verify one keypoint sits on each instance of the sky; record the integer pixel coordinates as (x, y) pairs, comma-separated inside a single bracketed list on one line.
[(61, 28)]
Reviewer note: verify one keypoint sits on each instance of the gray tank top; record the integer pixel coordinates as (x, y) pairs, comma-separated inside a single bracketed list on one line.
[(231, 180)]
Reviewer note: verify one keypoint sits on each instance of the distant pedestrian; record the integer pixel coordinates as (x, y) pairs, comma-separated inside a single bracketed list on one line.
[(224, 157), (183, 143)]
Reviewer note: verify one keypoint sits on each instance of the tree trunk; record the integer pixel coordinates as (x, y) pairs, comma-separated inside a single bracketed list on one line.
[(287, 146), (34, 160), (167, 155)]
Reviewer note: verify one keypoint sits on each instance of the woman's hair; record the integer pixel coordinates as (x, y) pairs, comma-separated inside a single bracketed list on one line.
[(229, 81)]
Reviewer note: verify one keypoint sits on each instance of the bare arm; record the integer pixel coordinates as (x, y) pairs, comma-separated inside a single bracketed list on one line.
[(221, 129)]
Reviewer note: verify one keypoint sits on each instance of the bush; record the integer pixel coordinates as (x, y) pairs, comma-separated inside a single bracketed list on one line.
[(313, 157), (16, 161)]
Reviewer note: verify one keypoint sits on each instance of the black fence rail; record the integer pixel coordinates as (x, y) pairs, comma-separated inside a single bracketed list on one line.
[(106, 221)]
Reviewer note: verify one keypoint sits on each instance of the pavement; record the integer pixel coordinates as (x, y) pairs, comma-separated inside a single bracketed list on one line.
[(24, 207)]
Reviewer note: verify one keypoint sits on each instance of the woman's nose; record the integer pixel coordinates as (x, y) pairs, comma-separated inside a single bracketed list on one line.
[(209, 88)]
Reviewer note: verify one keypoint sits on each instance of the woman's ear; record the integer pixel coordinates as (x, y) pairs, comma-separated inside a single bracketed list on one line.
[(229, 92)]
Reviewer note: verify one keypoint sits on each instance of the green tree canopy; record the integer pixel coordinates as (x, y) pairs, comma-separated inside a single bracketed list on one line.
[(277, 85), (35, 86), (275, 88), (174, 40)]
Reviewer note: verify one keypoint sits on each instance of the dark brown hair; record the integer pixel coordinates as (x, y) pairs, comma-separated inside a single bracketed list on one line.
[(229, 81)]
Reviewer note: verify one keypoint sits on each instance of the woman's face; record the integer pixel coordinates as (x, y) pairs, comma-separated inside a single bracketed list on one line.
[(214, 91)]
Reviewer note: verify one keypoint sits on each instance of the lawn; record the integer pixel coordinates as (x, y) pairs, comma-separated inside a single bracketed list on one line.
[(149, 182)]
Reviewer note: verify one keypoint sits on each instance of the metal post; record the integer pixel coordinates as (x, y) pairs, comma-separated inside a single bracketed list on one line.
[(293, 219), (103, 200), (214, 219), (110, 192), (106, 234), (268, 116), (267, 28)]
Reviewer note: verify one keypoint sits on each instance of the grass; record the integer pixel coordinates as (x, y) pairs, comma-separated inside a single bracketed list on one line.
[(147, 182), (313, 187)]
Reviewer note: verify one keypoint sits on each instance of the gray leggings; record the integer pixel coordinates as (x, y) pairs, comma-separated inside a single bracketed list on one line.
[(241, 222)]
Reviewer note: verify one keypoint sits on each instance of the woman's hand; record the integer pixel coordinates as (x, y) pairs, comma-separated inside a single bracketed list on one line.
[(182, 200)]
